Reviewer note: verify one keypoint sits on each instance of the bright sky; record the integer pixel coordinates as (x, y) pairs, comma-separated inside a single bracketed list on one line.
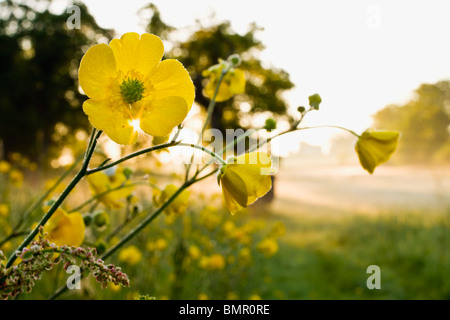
[(359, 55)]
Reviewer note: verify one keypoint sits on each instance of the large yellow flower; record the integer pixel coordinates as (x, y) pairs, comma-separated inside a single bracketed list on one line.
[(376, 147), (232, 83), (245, 179), (65, 229), (130, 87)]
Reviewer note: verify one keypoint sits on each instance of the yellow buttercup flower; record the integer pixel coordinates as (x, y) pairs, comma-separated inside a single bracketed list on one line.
[(268, 247), (245, 179), (4, 209), (100, 182), (178, 205), (16, 178), (376, 147), (232, 83), (5, 166), (130, 88), (213, 262), (65, 229), (130, 255)]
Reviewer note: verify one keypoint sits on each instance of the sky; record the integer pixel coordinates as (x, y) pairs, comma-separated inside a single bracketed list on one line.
[(359, 55)]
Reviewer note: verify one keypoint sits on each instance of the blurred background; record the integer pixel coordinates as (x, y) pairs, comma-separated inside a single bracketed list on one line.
[(375, 64)]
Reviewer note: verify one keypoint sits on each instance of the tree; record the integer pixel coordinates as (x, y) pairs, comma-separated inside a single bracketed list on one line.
[(39, 58), (424, 124), (205, 46)]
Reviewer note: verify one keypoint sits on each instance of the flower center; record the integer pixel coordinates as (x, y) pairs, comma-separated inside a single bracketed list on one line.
[(132, 90)]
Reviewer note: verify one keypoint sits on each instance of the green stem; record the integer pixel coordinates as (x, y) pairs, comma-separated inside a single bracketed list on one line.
[(97, 196), (154, 148), (146, 221), (209, 113), (38, 202), (92, 143)]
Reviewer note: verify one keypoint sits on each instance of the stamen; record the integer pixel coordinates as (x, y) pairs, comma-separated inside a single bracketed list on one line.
[(132, 90)]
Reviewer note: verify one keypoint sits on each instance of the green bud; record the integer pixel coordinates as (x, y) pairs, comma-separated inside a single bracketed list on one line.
[(101, 219), (127, 172), (314, 101), (301, 109), (235, 60), (270, 125), (101, 246), (87, 217)]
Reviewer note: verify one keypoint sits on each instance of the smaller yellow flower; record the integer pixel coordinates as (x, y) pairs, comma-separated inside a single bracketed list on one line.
[(16, 178), (5, 166), (245, 179), (245, 256), (100, 182), (278, 229), (203, 296), (130, 255), (268, 247), (232, 296), (178, 205), (194, 252), (232, 83), (376, 147), (4, 209), (213, 262), (65, 229), (254, 297)]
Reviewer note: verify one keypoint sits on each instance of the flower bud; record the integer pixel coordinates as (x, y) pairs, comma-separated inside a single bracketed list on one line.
[(314, 101), (101, 219), (87, 218), (270, 125)]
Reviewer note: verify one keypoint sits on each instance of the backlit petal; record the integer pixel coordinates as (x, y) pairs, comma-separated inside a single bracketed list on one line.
[(115, 121), (97, 71), (141, 54), (170, 78), (159, 117)]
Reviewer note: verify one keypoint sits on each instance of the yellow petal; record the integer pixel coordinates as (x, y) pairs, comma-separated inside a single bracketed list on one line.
[(234, 191), (140, 54), (376, 147), (97, 71), (237, 81), (116, 123), (169, 79), (159, 117), (65, 229)]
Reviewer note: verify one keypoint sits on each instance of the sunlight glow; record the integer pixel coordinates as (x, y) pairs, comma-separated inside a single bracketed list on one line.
[(135, 124)]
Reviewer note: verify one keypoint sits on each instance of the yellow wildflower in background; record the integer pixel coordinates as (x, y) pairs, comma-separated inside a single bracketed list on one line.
[(213, 262), (130, 255), (232, 83), (244, 179), (203, 296), (194, 252), (4, 210), (65, 229), (5, 166), (16, 178), (130, 88), (268, 247), (376, 147), (178, 205), (101, 182)]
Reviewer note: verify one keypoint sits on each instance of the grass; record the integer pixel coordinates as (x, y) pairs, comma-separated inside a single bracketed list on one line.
[(323, 258)]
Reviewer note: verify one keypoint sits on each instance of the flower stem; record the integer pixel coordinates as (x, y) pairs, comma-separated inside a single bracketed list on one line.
[(90, 151)]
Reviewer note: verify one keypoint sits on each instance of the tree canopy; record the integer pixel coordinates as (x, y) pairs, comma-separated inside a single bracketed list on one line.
[(424, 123)]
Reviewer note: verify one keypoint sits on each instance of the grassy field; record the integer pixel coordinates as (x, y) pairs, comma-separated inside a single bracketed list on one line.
[(338, 221)]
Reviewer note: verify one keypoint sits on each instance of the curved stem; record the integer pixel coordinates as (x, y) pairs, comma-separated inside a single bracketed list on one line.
[(154, 148), (92, 143), (209, 113), (101, 194)]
